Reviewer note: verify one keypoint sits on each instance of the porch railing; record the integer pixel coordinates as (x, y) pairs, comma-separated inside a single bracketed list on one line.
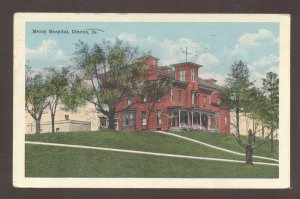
[(194, 127)]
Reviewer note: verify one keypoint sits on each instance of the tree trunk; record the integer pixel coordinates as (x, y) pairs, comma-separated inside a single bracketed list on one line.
[(272, 140), (263, 131), (38, 126), (111, 119), (249, 154), (237, 112), (52, 122)]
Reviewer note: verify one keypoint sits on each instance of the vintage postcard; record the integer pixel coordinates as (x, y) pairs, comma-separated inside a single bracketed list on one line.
[(151, 100)]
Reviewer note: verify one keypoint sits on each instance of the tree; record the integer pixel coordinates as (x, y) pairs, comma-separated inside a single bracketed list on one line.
[(57, 84), (253, 110), (108, 72), (237, 91), (36, 95), (151, 92), (270, 109)]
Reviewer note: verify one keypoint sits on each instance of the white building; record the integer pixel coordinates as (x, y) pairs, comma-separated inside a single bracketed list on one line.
[(84, 119)]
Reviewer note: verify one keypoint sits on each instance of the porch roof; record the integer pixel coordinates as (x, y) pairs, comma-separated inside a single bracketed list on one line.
[(192, 108)]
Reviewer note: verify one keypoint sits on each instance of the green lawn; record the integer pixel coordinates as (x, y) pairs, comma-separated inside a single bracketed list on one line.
[(46, 161), (228, 142)]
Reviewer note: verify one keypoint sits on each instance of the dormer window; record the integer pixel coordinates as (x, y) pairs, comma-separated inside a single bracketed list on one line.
[(182, 75)]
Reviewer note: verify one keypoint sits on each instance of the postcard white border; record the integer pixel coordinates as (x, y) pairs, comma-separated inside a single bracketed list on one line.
[(19, 179)]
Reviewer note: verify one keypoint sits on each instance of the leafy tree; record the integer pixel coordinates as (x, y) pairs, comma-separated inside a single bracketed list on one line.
[(36, 95), (108, 72), (270, 109), (152, 91), (253, 110), (57, 84), (237, 92)]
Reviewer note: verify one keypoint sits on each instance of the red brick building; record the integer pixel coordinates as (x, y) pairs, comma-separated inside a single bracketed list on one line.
[(191, 104)]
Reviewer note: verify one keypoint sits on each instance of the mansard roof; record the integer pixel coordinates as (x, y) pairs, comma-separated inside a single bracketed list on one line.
[(204, 85), (186, 63), (150, 56)]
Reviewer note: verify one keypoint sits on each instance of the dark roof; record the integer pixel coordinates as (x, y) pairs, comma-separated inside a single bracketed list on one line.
[(186, 63), (165, 67), (150, 56), (174, 81), (204, 85), (211, 79)]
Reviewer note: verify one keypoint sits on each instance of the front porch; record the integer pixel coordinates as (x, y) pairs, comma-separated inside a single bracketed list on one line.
[(193, 119)]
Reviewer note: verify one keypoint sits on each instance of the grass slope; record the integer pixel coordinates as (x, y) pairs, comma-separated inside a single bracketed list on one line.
[(228, 142), (142, 141), (45, 161)]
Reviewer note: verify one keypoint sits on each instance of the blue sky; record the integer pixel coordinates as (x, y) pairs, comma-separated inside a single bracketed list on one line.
[(214, 45)]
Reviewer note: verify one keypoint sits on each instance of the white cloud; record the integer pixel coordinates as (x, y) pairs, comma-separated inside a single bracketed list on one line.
[(265, 61), (274, 69), (132, 38), (257, 78), (173, 51), (208, 60), (261, 66), (127, 37), (48, 52), (253, 40)]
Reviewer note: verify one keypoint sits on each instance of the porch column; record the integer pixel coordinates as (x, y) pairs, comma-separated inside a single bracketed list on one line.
[(209, 121), (188, 122), (200, 120), (192, 118), (179, 118)]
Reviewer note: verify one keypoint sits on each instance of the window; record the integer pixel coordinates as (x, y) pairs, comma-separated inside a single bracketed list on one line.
[(225, 120), (158, 98), (182, 75), (219, 101), (180, 96), (171, 95), (144, 99), (144, 119), (158, 117), (128, 100), (193, 98), (204, 101), (116, 123), (193, 75), (210, 99), (131, 119), (154, 62), (128, 119)]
